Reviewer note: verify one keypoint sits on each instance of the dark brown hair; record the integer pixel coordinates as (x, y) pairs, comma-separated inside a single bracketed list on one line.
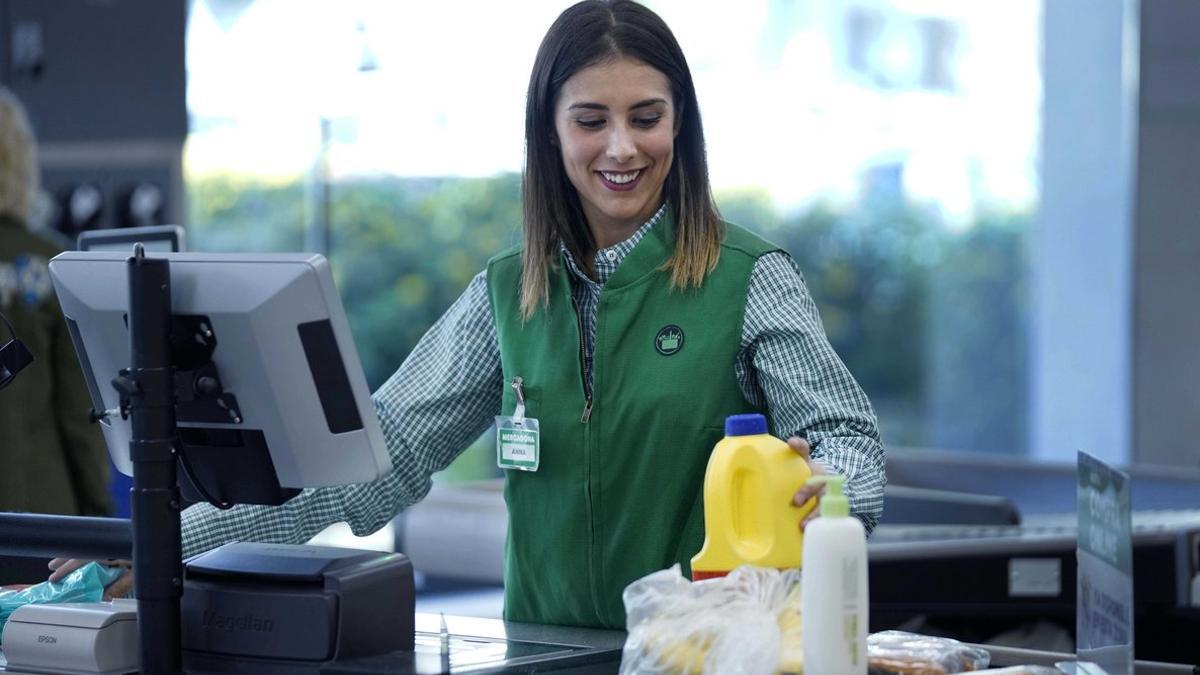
[(588, 33)]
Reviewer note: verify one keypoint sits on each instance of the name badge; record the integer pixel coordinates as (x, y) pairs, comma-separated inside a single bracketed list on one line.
[(518, 438)]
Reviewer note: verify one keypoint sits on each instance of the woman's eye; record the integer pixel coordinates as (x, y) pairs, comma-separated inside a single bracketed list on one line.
[(647, 122), (588, 123)]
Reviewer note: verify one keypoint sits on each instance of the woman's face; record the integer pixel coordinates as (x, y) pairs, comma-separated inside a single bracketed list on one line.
[(615, 125)]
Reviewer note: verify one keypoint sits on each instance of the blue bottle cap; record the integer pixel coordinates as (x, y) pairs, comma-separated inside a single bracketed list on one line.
[(745, 425)]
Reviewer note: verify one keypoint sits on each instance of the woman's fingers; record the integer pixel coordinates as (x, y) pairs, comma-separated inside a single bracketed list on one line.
[(808, 519), (63, 566), (807, 492), (801, 447), (119, 588)]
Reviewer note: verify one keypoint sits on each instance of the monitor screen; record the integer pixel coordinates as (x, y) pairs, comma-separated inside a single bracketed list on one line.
[(155, 238), (267, 375)]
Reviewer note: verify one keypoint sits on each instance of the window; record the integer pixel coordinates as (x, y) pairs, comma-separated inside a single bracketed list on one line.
[(889, 146)]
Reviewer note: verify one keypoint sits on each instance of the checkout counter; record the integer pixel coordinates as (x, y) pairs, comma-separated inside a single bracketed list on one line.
[(275, 609), (473, 645), (964, 576), (982, 575), (951, 554), (470, 646), (490, 646)]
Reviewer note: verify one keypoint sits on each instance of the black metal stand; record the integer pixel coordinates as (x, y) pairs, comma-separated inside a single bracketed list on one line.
[(149, 386)]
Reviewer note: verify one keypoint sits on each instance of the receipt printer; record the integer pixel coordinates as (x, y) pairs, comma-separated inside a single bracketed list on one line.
[(73, 637), (297, 603)]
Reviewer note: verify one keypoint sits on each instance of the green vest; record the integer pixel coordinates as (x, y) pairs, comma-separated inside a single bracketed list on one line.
[(620, 495)]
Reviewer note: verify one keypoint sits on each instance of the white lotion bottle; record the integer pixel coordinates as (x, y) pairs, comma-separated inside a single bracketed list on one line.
[(833, 582)]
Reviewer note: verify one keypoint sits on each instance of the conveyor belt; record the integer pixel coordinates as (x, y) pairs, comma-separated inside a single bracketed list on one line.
[(972, 577), (1037, 526), (1038, 533)]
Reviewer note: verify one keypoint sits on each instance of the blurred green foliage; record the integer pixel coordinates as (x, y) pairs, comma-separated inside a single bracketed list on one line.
[(932, 322)]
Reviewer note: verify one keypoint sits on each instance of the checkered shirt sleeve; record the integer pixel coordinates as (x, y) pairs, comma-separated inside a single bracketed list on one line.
[(787, 366)]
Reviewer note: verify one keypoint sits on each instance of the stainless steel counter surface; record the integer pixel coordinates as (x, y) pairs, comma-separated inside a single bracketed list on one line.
[(483, 646), (1012, 656), (475, 646)]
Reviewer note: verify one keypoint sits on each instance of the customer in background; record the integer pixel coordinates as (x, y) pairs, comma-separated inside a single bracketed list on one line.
[(51, 459)]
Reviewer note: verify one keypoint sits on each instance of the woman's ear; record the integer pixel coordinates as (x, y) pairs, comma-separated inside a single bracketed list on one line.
[(554, 138)]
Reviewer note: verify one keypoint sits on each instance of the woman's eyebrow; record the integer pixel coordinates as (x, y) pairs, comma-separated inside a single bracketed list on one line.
[(648, 102), (600, 106)]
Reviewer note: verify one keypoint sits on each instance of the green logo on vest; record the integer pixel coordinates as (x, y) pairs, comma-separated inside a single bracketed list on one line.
[(669, 340)]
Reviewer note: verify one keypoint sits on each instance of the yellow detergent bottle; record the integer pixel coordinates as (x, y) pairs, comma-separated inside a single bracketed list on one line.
[(748, 511)]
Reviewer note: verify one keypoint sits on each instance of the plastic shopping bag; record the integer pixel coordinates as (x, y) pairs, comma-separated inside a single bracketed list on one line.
[(85, 584), (747, 623)]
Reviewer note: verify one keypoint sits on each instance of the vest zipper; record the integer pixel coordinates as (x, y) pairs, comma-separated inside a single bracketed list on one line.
[(587, 414), (583, 369)]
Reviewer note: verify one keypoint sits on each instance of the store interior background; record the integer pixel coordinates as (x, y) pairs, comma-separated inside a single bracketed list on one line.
[(992, 202)]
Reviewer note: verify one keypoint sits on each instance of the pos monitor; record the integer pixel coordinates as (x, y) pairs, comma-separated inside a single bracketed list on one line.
[(269, 393), (239, 369)]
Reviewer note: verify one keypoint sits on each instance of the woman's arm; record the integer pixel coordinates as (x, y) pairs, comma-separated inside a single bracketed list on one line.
[(445, 394), (787, 365)]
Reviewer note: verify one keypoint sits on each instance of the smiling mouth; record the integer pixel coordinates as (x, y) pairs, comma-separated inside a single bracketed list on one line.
[(620, 180)]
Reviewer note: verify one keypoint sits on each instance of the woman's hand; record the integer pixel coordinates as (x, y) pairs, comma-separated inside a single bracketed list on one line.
[(807, 492), (120, 588)]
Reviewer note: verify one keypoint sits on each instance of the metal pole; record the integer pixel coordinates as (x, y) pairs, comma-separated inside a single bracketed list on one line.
[(157, 547)]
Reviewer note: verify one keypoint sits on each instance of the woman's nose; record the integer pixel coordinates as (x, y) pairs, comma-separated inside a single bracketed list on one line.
[(620, 145)]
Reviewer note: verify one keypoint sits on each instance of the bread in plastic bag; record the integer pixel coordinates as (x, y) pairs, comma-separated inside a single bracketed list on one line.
[(85, 584), (746, 623), (893, 652)]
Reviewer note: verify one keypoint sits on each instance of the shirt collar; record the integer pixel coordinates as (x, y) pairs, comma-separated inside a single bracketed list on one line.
[(607, 260)]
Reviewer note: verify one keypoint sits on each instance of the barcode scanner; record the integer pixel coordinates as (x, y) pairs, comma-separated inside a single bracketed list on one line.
[(14, 355)]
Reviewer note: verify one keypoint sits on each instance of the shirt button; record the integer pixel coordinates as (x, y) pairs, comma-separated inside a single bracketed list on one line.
[(611, 255)]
